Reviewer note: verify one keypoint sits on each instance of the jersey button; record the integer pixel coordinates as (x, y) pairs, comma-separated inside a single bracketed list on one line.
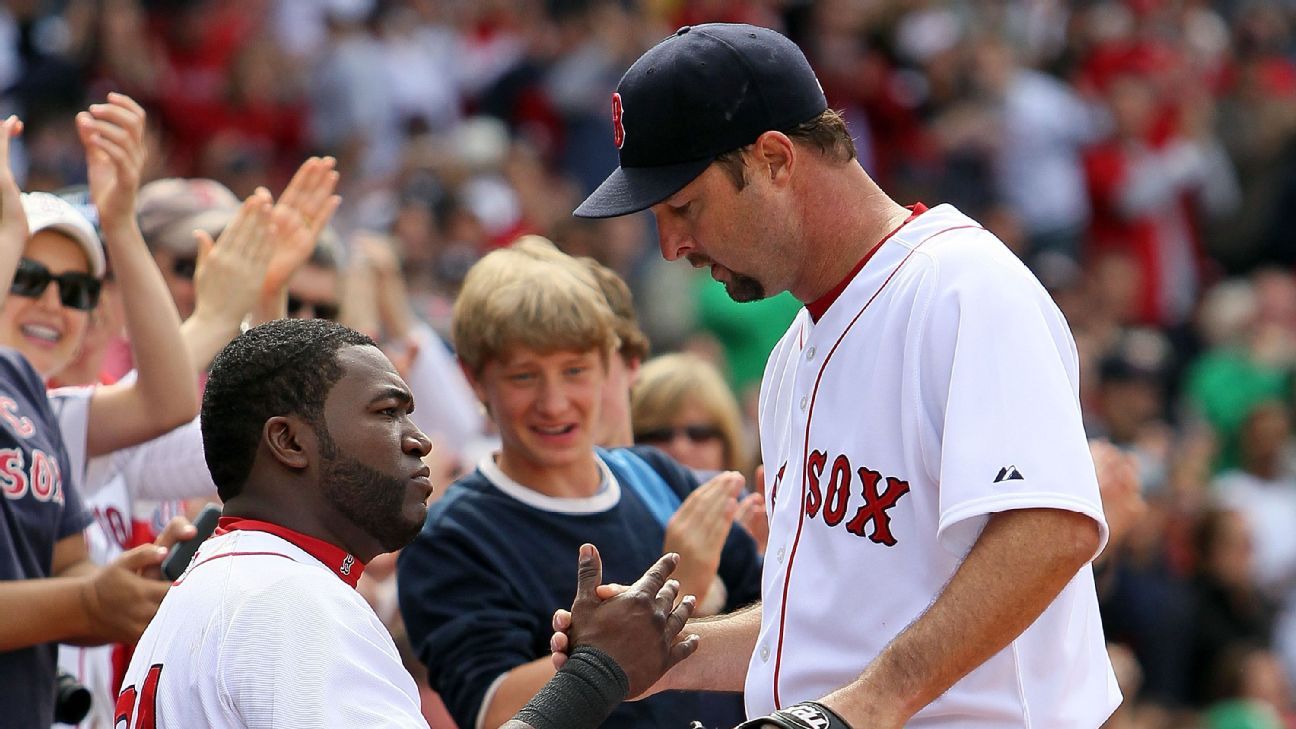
[(804, 401), (810, 354), (764, 653)]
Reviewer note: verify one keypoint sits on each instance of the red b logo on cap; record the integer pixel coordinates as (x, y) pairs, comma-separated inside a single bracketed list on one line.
[(618, 130)]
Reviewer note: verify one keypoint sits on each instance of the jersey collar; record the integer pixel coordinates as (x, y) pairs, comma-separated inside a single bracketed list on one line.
[(344, 565), (819, 306)]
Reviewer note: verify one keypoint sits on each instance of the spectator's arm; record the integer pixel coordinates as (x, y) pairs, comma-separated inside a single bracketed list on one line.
[(13, 221), (303, 210), (163, 395), (81, 603), (228, 278)]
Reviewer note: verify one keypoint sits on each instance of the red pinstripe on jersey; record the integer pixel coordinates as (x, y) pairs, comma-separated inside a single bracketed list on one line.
[(814, 393)]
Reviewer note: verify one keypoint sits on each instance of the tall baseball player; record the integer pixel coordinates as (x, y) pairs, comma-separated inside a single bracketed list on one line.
[(310, 442), (932, 501)]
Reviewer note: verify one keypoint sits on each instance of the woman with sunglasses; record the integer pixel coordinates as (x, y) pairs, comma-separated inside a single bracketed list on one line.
[(49, 589), (682, 405), (58, 280)]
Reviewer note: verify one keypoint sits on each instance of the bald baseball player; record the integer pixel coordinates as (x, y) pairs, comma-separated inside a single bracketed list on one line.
[(932, 501), (307, 430)]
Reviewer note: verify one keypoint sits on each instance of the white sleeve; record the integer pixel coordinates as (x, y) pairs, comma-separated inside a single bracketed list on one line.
[(298, 654), (445, 407), (169, 467), (71, 406), (999, 372)]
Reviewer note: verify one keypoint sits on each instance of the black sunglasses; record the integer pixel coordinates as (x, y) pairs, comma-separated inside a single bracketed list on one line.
[(320, 309), (695, 433), (76, 290)]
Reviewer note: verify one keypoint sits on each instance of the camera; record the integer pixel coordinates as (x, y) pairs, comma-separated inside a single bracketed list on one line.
[(71, 699)]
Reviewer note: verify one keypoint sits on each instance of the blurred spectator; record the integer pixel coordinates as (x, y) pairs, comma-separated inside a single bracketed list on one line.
[(682, 405), (1250, 329), (1230, 610), (1149, 186)]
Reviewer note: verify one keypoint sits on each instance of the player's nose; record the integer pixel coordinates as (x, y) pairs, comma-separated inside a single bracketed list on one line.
[(674, 241), (416, 443)]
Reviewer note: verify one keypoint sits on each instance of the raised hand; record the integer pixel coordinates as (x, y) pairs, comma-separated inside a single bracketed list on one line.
[(304, 209), (113, 136), (13, 221), (698, 530), (638, 628), (230, 271)]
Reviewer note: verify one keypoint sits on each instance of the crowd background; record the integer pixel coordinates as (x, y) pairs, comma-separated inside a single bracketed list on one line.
[(1140, 156)]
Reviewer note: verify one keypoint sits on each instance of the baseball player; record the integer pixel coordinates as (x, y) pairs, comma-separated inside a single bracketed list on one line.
[(133, 491), (265, 627), (932, 502)]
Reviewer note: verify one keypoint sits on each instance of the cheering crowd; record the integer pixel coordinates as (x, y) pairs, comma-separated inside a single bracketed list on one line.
[(193, 168)]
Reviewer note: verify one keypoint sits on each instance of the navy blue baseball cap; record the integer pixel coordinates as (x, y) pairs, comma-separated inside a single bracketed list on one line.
[(706, 90)]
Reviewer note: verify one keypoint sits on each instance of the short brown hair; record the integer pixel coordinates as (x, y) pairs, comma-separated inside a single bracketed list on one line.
[(668, 382), (634, 343), (511, 298), (826, 133)]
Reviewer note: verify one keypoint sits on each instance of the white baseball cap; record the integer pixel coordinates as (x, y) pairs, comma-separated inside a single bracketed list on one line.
[(51, 212)]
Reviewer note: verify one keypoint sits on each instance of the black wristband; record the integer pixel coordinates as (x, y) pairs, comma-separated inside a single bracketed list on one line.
[(805, 715), (587, 689)]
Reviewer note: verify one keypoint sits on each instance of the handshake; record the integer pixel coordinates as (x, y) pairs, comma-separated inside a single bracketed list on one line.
[(637, 630)]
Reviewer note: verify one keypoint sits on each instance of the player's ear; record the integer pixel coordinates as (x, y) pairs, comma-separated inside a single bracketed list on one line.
[(774, 156), (283, 435)]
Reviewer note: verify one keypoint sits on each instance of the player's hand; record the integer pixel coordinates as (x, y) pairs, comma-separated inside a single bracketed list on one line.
[(698, 530), (1120, 489), (113, 136), (230, 270), (638, 628), (303, 210), (119, 601)]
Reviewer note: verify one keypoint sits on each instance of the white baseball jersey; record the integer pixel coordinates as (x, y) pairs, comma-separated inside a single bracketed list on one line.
[(265, 629), (938, 387)]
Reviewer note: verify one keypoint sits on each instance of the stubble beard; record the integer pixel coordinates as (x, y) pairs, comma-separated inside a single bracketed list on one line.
[(369, 498), (742, 288)]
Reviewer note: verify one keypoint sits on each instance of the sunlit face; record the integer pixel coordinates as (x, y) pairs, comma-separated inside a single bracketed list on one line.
[(746, 237), (547, 408), (372, 453), (693, 439), (47, 333)]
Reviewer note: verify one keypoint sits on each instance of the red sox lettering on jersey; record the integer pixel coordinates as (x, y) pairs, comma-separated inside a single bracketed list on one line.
[(888, 413), (41, 477)]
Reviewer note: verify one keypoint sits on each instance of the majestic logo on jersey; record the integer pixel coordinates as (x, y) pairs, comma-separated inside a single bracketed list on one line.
[(346, 565), (831, 504), (618, 129), (43, 480), (1009, 473)]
